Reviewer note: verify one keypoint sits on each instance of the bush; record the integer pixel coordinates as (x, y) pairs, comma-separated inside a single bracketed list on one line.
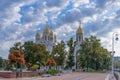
[(102, 71), (35, 66), (88, 70), (52, 71), (40, 73)]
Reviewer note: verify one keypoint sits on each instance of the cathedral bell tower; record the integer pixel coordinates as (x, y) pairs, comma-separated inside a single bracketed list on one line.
[(79, 39), (79, 34), (37, 37)]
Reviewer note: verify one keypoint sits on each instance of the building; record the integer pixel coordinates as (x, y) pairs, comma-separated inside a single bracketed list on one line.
[(79, 39), (48, 38)]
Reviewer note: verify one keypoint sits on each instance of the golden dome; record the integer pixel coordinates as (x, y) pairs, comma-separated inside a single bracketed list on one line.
[(79, 31), (37, 34), (47, 30), (51, 33)]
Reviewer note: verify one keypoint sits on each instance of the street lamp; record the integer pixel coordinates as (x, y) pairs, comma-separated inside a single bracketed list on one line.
[(56, 57), (114, 37), (21, 49)]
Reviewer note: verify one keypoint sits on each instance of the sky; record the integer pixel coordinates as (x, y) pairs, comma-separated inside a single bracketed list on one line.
[(20, 19)]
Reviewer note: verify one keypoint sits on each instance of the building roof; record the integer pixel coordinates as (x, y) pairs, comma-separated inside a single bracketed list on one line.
[(37, 34), (46, 30), (51, 33), (79, 31)]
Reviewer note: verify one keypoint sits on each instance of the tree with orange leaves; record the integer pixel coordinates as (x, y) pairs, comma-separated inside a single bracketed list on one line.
[(16, 58), (51, 62), (28, 65)]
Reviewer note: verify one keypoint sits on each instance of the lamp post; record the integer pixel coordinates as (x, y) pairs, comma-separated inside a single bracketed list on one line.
[(21, 49), (56, 57), (114, 37)]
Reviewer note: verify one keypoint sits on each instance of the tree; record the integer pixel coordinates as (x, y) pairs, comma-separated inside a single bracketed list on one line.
[(35, 53), (59, 53), (93, 55), (71, 46), (1, 62), (15, 47), (51, 62), (117, 64), (16, 58)]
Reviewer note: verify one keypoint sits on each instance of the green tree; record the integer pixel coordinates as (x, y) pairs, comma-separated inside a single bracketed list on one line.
[(70, 60), (1, 62), (117, 64), (15, 47), (93, 55), (59, 53), (35, 53), (5, 63)]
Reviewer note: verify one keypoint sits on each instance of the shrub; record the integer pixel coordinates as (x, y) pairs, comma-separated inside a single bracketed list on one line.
[(40, 73), (52, 71), (88, 70), (35, 66)]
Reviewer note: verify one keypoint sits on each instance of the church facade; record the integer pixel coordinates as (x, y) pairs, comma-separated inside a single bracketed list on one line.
[(48, 38)]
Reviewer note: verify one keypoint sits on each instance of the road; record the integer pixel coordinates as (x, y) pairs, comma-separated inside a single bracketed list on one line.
[(70, 76)]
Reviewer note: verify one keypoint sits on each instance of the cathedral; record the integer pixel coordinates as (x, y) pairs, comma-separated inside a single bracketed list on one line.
[(48, 38)]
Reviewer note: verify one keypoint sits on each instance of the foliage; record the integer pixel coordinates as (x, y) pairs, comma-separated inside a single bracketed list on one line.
[(41, 72), (15, 58), (52, 71), (51, 62), (3, 63), (88, 70), (93, 55), (117, 64), (70, 61), (15, 47), (59, 53), (35, 53), (35, 66), (28, 65)]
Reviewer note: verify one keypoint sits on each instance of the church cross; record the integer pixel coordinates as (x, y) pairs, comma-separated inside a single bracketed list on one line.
[(79, 23)]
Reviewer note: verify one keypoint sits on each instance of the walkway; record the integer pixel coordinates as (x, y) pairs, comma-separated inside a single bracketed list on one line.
[(71, 76)]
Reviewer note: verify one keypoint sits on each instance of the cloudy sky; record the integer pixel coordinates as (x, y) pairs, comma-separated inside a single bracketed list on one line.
[(20, 19)]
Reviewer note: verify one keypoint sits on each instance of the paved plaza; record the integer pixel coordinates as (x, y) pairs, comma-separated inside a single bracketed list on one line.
[(70, 76)]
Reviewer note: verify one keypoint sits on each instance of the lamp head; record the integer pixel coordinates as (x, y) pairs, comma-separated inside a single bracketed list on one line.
[(116, 38)]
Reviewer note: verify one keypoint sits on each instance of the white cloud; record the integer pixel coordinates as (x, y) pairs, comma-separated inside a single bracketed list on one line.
[(10, 11), (77, 3), (67, 30)]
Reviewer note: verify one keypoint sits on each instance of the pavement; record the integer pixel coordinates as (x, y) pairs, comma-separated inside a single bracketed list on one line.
[(109, 77), (70, 76)]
